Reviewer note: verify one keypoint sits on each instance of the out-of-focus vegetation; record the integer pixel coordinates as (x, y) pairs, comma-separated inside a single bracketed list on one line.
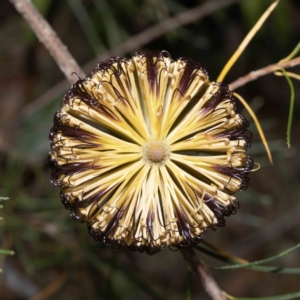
[(55, 257)]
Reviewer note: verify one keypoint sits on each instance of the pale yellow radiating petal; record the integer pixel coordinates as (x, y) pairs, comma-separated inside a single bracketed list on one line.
[(148, 152)]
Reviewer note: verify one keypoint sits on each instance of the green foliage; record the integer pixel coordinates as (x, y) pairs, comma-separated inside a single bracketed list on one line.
[(252, 10), (281, 297), (6, 252), (254, 266), (87, 26), (259, 262), (291, 110)]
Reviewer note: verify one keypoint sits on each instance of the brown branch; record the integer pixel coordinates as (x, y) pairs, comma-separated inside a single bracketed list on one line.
[(262, 72), (208, 282), (133, 43), (49, 38)]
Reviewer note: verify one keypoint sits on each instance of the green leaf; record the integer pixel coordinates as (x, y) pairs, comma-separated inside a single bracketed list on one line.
[(3, 198), (266, 269), (280, 297), (280, 21), (273, 269), (87, 26), (213, 254), (251, 11), (109, 21), (259, 262), (6, 252), (295, 51), (291, 110)]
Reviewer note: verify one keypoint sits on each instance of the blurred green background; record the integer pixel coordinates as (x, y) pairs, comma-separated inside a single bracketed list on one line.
[(55, 257)]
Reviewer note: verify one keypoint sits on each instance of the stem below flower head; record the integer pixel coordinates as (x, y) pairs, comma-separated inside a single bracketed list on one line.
[(208, 282)]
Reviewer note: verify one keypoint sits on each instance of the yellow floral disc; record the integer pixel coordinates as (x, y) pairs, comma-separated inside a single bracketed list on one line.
[(149, 152)]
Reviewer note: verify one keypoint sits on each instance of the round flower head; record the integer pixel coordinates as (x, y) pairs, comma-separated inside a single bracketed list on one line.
[(149, 152)]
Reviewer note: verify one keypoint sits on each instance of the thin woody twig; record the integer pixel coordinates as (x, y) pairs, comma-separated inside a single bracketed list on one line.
[(208, 282), (49, 38), (262, 72)]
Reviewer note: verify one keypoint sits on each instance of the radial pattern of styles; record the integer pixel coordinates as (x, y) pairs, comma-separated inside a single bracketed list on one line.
[(148, 152)]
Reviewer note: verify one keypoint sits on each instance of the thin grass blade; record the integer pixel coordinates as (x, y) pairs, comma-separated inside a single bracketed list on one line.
[(280, 297), (291, 109), (87, 26), (246, 41), (6, 252), (292, 54), (257, 124), (259, 262), (228, 258)]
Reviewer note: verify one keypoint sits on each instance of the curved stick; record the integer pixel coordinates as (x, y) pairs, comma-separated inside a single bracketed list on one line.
[(262, 72), (208, 282), (49, 38)]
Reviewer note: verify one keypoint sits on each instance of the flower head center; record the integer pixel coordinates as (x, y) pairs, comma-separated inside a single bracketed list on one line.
[(156, 152)]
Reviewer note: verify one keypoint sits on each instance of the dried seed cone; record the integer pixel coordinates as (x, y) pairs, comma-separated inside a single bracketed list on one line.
[(148, 152)]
